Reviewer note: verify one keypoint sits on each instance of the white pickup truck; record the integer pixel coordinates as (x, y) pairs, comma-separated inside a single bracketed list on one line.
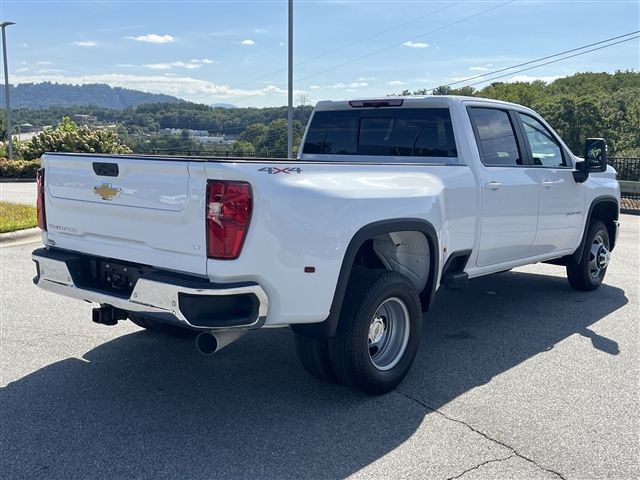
[(346, 245)]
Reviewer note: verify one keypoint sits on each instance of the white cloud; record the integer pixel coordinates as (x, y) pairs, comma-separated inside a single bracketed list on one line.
[(349, 85), (43, 63), (24, 45), (314, 87), (415, 44), (396, 82), (181, 86), (366, 79), (260, 30), (85, 43), (22, 69), (192, 64), (158, 66), (247, 42), (282, 44), (478, 69), (153, 38), (168, 66)]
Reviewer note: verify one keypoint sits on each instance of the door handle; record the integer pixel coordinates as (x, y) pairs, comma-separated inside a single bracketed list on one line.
[(547, 183), (492, 185)]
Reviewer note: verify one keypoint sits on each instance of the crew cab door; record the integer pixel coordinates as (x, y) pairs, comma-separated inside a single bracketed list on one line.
[(509, 185), (562, 199)]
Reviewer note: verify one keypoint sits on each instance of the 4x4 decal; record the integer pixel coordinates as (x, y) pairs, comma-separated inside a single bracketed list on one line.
[(275, 170)]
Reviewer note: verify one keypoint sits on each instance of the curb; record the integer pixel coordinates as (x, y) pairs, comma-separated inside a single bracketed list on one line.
[(27, 234), (17, 180)]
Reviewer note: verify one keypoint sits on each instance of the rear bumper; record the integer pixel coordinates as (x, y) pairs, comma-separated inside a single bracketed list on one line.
[(189, 301)]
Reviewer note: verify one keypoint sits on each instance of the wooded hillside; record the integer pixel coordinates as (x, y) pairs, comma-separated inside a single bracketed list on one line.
[(580, 106)]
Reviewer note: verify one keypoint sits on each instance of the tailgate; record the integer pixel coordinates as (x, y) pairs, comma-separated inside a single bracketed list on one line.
[(137, 209)]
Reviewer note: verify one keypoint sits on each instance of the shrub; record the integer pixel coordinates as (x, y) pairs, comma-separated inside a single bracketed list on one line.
[(18, 168), (68, 137)]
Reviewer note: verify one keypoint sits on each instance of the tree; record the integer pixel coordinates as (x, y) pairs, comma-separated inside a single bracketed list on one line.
[(3, 129), (243, 149), (442, 90), (68, 137)]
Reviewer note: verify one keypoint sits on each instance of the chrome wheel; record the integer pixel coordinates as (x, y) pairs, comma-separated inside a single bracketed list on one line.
[(388, 333), (598, 257)]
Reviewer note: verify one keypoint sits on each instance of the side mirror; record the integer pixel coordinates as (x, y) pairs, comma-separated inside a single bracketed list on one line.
[(595, 155)]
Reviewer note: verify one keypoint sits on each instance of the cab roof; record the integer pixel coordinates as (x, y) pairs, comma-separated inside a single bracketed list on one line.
[(408, 101)]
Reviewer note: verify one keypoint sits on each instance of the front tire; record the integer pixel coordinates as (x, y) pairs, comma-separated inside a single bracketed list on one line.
[(588, 273), (379, 332)]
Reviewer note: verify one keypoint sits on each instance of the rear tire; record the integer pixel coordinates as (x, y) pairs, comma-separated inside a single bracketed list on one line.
[(588, 273), (378, 333), (162, 328), (314, 356)]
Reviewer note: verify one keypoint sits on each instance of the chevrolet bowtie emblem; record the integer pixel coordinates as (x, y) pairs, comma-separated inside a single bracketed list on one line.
[(106, 191)]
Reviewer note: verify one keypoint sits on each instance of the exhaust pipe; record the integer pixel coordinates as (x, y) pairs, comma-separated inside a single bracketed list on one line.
[(209, 343)]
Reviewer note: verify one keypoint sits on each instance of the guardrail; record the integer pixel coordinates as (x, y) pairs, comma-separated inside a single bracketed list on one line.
[(628, 169), (220, 152)]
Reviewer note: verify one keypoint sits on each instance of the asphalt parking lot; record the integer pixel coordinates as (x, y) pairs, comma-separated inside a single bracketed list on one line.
[(518, 376)]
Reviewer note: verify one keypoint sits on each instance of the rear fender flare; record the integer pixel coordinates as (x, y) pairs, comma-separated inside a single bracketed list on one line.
[(329, 327)]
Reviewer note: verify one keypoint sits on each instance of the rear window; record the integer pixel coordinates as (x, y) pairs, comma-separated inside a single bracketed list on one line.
[(406, 132)]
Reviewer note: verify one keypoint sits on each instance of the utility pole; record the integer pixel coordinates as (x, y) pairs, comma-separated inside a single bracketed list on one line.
[(290, 88), (302, 100), (4, 25)]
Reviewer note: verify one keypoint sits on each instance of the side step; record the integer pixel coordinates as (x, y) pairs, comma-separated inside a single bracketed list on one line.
[(455, 278), (453, 271)]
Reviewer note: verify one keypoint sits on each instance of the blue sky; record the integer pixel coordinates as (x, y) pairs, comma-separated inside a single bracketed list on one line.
[(215, 51)]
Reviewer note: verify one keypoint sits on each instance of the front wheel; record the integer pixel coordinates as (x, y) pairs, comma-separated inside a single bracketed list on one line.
[(588, 273), (379, 332)]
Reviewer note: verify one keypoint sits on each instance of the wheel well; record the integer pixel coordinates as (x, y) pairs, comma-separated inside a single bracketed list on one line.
[(366, 249), (604, 209), (405, 252), (408, 252), (607, 213)]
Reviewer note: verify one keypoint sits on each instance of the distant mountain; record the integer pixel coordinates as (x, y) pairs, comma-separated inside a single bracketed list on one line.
[(47, 94), (223, 105)]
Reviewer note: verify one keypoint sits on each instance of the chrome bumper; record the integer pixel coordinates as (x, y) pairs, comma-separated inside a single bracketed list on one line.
[(156, 295)]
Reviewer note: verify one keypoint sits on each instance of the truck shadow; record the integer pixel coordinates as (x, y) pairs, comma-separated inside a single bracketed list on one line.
[(148, 406)]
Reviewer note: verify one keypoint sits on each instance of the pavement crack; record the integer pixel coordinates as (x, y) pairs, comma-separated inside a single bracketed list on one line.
[(475, 430), (475, 467)]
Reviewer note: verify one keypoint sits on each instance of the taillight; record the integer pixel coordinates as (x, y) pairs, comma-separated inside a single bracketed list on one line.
[(42, 219), (228, 214)]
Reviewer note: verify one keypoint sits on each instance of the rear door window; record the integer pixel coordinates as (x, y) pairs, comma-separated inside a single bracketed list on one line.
[(408, 132)]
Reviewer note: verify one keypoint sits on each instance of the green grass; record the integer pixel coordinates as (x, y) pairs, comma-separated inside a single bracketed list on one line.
[(15, 216)]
